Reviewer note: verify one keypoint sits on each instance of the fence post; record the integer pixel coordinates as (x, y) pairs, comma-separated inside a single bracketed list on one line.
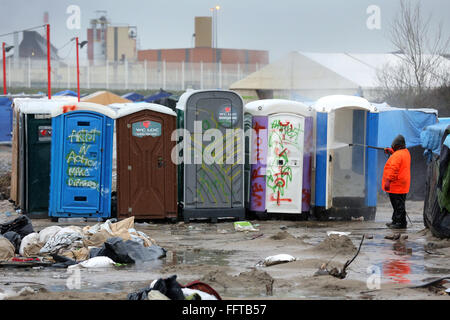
[(68, 76), (87, 75), (220, 74), (201, 75), (164, 74), (126, 74), (29, 72), (182, 75), (145, 74), (238, 71), (107, 74)]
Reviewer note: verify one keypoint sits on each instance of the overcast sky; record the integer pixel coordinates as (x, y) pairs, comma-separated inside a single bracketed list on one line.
[(279, 26)]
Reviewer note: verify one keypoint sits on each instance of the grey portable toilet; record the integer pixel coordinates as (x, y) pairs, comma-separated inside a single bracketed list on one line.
[(213, 124)]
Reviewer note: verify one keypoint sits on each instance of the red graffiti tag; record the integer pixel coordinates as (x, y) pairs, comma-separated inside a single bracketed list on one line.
[(69, 108)]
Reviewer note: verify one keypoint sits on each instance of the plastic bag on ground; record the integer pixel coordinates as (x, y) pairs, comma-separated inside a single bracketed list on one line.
[(96, 262), (29, 240), (47, 233), (14, 238), (128, 251), (277, 259), (22, 225), (64, 238), (6, 249), (244, 226)]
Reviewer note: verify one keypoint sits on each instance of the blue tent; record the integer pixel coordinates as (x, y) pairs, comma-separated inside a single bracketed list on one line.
[(444, 120), (409, 123), (133, 96), (5, 119), (160, 95), (431, 138), (66, 93)]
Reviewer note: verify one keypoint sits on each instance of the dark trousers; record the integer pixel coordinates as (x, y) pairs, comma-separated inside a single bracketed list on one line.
[(398, 203)]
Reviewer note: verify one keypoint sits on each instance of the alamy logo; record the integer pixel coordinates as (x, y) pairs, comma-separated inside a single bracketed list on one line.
[(373, 22), (74, 20)]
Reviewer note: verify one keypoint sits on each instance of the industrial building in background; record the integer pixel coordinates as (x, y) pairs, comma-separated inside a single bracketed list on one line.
[(109, 42), (204, 50)]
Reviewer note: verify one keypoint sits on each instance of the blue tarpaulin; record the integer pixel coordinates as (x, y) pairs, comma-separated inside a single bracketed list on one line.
[(66, 93), (407, 122), (5, 119), (431, 137), (133, 96), (160, 95), (444, 120)]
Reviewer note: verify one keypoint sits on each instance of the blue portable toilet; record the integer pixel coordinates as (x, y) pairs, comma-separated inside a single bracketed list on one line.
[(81, 161), (5, 120), (345, 169)]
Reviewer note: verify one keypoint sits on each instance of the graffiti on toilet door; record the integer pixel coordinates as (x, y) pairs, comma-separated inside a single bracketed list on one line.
[(258, 167), (81, 158), (285, 149)]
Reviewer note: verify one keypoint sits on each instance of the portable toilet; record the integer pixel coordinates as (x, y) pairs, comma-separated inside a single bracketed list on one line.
[(32, 134), (146, 174), (345, 168), (281, 150), (5, 119), (211, 166), (81, 161)]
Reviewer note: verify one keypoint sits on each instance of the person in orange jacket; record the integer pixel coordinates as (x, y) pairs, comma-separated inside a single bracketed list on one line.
[(397, 179)]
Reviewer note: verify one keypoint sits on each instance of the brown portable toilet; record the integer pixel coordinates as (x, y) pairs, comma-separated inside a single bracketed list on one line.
[(146, 175)]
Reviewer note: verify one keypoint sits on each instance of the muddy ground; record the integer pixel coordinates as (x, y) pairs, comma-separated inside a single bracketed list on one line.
[(227, 260)]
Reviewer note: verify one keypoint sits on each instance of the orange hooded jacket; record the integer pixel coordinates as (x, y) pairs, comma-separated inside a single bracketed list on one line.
[(398, 171)]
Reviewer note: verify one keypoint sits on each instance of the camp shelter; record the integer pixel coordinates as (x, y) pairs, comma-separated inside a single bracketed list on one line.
[(104, 98), (436, 212), (30, 175), (211, 172), (133, 96), (157, 96), (146, 174), (408, 122), (345, 171), (81, 161), (281, 150), (66, 93)]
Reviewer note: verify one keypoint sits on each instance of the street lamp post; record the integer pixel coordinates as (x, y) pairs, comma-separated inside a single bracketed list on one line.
[(4, 50)]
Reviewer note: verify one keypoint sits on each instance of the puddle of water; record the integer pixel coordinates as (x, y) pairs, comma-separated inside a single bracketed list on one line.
[(211, 257)]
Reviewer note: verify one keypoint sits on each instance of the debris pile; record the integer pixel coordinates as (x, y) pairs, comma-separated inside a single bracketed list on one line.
[(102, 245)]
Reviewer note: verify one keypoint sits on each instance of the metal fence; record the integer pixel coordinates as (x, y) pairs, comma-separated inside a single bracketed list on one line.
[(146, 75)]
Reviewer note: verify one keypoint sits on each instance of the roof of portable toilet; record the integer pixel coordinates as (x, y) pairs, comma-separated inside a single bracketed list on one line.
[(269, 106), (181, 104), (41, 105), (124, 109), (334, 102), (84, 106)]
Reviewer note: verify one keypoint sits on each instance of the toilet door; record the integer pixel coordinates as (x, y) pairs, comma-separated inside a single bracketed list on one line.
[(284, 173)]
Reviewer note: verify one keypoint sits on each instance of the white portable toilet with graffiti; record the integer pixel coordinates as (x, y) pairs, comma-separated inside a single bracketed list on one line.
[(345, 168), (281, 150), (81, 161)]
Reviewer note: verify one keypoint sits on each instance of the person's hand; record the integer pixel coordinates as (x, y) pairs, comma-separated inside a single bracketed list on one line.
[(388, 151), (387, 185)]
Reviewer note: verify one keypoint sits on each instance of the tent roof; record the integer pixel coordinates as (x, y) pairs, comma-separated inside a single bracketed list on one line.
[(431, 137), (104, 98), (66, 93), (310, 70), (160, 95), (133, 96)]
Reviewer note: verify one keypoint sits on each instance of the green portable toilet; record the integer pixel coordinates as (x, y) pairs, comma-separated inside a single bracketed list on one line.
[(211, 172), (34, 142)]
